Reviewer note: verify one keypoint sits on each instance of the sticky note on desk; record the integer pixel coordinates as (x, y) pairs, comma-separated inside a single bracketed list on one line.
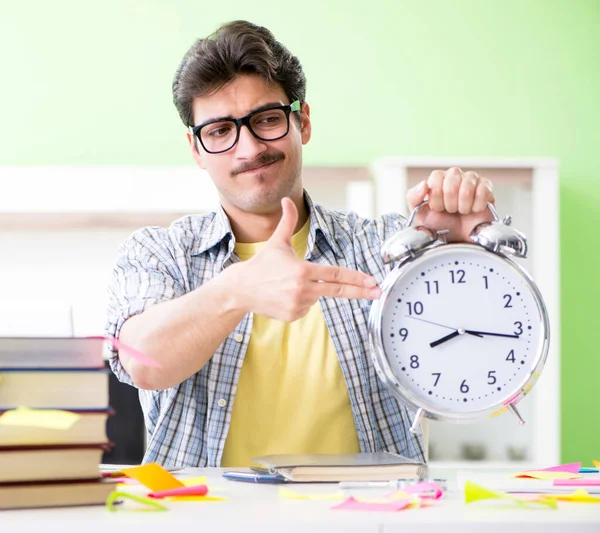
[(587, 482), (580, 495), (40, 418), (475, 492), (153, 476), (353, 504), (566, 471)]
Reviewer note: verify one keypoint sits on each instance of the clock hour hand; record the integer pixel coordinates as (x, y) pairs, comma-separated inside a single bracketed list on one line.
[(480, 333), (452, 335), (444, 339)]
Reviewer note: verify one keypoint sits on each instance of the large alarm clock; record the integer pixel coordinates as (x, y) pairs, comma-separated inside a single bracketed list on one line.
[(460, 332)]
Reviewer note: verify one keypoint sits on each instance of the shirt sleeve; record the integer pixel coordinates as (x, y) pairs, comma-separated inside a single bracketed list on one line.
[(145, 273)]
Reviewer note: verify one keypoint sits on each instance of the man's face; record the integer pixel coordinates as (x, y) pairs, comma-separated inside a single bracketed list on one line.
[(254, 175)]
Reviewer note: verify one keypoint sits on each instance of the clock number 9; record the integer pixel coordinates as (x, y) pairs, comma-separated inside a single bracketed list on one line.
[(403, 333), (464, 388)]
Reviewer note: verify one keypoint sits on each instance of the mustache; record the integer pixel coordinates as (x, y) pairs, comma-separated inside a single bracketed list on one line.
[(264, 159)]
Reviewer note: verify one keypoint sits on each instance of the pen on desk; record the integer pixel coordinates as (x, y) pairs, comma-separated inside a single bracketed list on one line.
[(392, 484), (254, 477)]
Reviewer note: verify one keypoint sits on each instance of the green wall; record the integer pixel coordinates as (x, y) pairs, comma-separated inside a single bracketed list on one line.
[(87, 83)]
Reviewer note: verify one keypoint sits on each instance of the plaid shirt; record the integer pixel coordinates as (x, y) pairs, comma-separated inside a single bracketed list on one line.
[(187, 424)]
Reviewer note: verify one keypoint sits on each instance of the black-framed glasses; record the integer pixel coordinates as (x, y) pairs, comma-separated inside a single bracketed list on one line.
[(268, 124)]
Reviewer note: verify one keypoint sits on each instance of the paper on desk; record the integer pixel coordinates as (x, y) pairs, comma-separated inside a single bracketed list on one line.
[(41, 418), (566, 471), (153, 476), (354, 504), (475, 493), (287, 494), (580, 495), (505, 482), (587, 482)]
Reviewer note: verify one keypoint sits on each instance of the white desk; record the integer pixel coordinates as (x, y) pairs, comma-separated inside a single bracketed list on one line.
[(257, 508)]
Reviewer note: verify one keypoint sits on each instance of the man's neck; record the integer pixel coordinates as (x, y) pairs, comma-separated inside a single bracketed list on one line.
[(254, 227)]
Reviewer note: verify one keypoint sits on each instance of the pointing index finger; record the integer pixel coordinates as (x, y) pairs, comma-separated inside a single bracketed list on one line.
[(342, 275)]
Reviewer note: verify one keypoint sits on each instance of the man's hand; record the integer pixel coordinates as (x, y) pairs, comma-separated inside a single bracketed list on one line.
[(277, 284), (457, 202)]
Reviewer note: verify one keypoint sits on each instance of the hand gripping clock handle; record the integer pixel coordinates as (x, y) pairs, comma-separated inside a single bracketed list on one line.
[(417, 208)]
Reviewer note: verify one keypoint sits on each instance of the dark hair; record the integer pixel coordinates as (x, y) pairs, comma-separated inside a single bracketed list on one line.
[(238, 47)]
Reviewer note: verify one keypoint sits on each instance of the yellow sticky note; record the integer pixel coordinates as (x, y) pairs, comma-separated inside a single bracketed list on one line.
[(288, 494), (153, 476), (580, 495), (192, 481), (475, 492), (596, 464), (40, 418)]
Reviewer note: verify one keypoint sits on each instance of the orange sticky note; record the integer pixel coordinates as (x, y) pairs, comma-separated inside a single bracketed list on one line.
[(596, 464), (153, 476)]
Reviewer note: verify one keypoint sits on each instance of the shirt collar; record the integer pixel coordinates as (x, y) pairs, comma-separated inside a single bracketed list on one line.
[(220, 229)]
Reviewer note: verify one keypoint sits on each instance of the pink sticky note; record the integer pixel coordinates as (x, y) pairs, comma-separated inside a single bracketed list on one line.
[(576, 482), (137, 355), (353, 505), (573, 468), (569, 468), (194, 490)]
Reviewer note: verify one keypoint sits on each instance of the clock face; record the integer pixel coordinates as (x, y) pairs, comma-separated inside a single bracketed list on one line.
[(462, 330)]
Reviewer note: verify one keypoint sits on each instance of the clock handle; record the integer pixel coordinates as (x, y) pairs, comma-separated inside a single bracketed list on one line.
[(417, 208), (417, 421)]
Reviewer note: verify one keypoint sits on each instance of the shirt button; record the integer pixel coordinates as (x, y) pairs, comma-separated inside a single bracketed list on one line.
[(222, 402), (238, 338)]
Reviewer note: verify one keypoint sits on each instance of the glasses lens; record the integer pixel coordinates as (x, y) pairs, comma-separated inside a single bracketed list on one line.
[(270, 124), (218, 136)]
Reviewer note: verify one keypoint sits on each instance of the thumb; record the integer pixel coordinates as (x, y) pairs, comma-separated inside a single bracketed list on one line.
[(287, 224), (416, 195)]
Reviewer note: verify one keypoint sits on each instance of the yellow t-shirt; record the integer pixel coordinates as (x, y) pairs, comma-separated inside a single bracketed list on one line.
[(291, 396)]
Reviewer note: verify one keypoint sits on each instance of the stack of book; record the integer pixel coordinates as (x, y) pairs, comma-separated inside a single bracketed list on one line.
[(43, 461)]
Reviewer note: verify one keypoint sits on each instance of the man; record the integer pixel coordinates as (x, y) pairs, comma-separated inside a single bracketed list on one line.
[(258, 312)]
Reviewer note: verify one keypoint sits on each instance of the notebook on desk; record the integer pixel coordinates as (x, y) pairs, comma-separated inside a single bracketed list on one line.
[(376, 466)]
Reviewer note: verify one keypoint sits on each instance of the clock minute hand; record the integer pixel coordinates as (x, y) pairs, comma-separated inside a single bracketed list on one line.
[(472, 332)]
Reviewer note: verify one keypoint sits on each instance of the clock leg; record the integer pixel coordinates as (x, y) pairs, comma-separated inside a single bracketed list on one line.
[(417, 421), (514, 411)]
